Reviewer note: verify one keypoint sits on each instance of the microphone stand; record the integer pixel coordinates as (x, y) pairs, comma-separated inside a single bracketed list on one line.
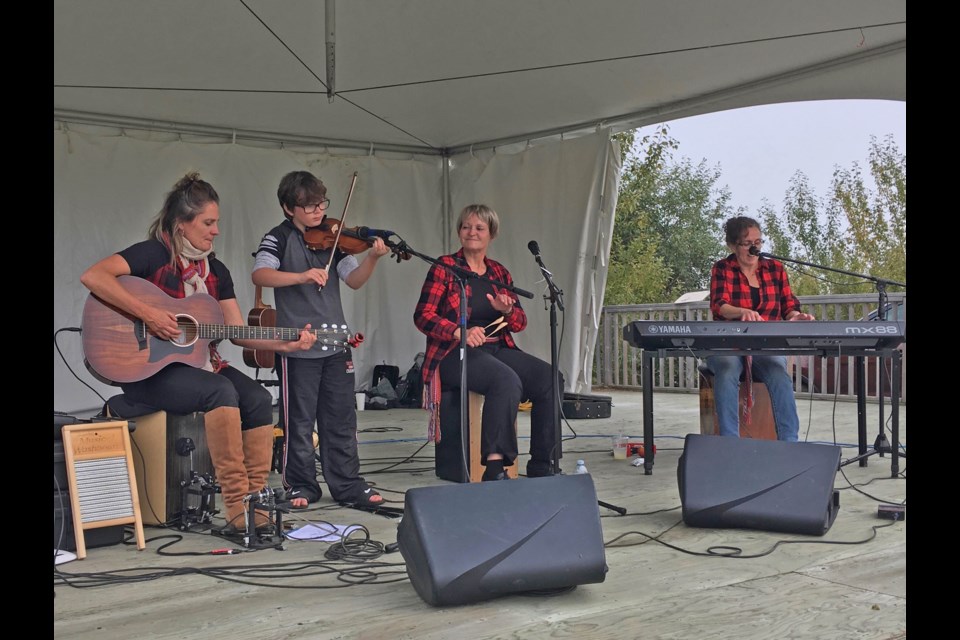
[(880, 283), (461, 276), (555, 296), (881, 445)]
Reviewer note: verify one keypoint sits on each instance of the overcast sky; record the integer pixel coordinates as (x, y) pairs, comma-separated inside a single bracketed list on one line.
[(760, 148)]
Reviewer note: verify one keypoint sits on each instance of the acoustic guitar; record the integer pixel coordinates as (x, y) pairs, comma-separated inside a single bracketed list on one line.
[(118, 348)]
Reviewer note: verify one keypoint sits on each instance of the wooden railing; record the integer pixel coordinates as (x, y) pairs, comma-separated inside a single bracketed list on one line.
[(617, 364)]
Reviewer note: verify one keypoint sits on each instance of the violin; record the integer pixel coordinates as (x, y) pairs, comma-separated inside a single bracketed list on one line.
[(330, 233)]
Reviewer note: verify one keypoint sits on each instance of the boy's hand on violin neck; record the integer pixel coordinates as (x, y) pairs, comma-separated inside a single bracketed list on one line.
[(379, 248)]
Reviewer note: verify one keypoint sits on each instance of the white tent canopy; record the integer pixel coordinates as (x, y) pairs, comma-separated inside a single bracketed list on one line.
[(436, 104), (444, 75)]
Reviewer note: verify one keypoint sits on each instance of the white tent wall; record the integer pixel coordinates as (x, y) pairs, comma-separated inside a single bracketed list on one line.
[(563, 195), (109, 183)]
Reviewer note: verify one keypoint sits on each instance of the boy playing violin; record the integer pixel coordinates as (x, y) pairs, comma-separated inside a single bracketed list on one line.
[(315, 385)]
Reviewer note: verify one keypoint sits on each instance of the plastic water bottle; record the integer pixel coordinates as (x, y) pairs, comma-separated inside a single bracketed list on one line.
[(581, 467)]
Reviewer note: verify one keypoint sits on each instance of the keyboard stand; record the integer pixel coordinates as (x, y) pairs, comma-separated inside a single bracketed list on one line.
[(880, 445), (646, 377)]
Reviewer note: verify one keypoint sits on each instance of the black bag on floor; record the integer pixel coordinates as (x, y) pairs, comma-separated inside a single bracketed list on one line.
[(410, 387), (389, 371)]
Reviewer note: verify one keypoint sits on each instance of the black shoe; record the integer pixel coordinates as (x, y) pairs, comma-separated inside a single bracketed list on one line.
[(499, 476), (539, 469)]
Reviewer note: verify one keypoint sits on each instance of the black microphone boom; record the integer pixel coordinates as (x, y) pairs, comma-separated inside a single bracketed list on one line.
[(366, 233)]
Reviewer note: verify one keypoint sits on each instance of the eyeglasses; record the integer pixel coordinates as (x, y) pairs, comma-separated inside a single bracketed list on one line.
[(312, 208), (747, 245)]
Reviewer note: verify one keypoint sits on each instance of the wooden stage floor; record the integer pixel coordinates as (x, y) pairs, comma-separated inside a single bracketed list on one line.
[(661, 583)]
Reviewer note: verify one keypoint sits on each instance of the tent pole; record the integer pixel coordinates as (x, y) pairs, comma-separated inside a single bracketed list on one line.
[(447, 206), (330, 26)]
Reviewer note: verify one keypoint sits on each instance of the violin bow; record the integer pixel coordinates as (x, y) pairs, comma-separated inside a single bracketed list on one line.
[(343, 217)]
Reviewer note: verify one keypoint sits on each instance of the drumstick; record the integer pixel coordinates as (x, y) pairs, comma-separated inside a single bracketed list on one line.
[(498, 324)]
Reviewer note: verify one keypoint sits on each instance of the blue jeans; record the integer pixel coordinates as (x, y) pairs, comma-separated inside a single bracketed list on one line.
[(772, 371)]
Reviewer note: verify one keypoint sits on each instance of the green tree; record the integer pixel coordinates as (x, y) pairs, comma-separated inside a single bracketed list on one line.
[(876, 219), (806, 230), (636, 274), (857, 228), (667, 230)]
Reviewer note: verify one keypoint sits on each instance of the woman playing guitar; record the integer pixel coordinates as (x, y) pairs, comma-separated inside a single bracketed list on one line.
[(238, 415)]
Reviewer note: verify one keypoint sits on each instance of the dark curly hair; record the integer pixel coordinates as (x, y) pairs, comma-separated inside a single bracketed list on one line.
[(734, 228)]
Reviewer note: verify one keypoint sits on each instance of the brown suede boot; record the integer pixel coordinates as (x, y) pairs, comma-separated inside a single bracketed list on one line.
[(225, 443), (258, 458)]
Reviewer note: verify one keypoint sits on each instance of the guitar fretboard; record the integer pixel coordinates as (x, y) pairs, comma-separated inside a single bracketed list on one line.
[(325, 335)]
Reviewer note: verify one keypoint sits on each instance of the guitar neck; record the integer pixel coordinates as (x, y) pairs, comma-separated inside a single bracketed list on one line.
[(242, 332)]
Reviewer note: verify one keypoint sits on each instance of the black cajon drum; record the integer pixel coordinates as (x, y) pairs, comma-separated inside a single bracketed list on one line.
[(161, 470), (449, 452)]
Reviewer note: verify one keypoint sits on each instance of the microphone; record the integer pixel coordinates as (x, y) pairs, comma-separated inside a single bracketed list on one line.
[(555, 293), (366, 233), (754, 251)]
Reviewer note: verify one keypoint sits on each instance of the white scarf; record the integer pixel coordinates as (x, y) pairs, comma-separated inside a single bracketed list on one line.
[(193, 275)]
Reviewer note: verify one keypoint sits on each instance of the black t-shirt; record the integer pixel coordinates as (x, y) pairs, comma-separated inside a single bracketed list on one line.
[(481, 311)]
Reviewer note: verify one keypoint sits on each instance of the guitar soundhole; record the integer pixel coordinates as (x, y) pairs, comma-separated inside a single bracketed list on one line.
[(189, 331)]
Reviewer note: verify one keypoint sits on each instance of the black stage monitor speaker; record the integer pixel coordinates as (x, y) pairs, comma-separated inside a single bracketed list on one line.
[(470, 542), (758, 484)]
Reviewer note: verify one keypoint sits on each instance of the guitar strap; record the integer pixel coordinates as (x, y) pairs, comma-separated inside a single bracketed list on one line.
[(748, 380), (217, 361)]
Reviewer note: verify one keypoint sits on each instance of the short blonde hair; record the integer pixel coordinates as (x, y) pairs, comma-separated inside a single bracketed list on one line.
[(487, 216)]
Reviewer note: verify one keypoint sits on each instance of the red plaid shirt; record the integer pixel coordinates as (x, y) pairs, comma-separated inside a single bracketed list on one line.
[(728, 285), (436, 316), (436, 312)]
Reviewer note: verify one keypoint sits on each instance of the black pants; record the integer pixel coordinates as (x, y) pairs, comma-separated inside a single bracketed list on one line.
[(181, 389), (321, 391), (506, 377)]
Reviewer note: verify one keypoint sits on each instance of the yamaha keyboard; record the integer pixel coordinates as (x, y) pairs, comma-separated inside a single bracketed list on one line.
[(814, 334)]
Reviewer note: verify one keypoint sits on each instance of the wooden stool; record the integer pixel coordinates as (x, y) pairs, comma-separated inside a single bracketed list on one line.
[(762, 424), (162, 462), (449, 451)]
